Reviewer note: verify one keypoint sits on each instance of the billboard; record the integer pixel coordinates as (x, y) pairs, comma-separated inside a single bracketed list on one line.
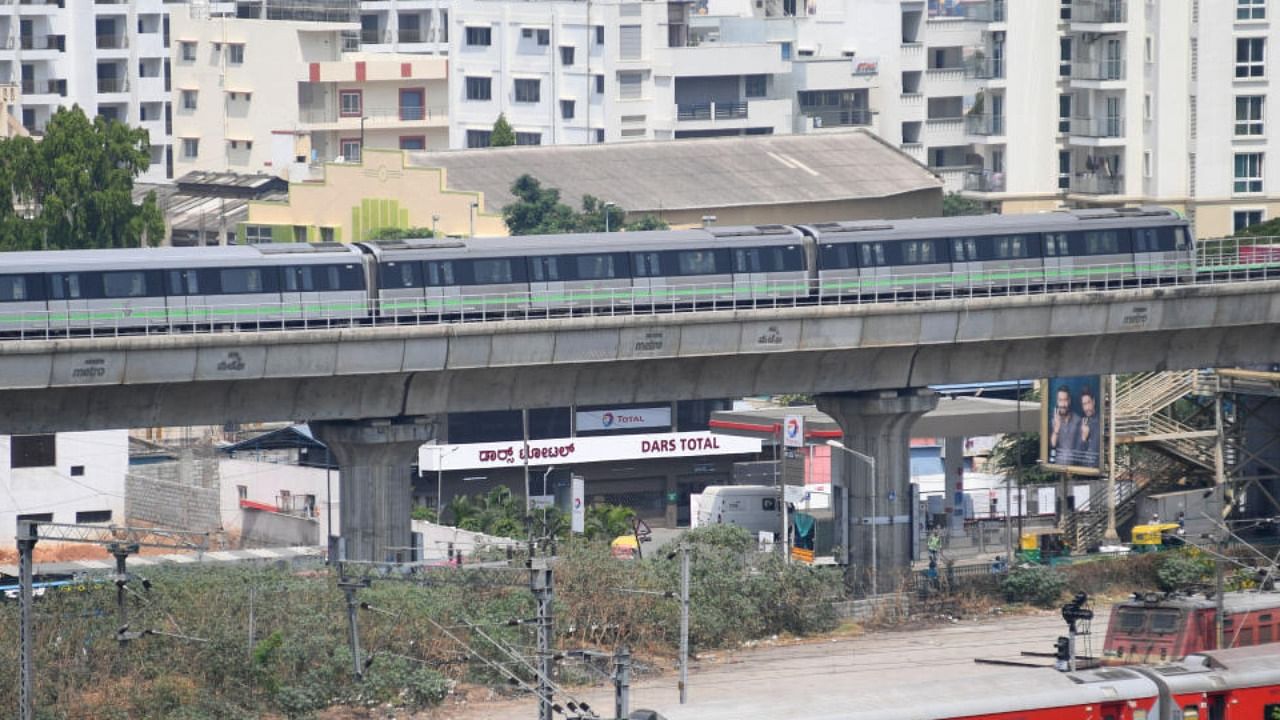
[(623, 419), (1071, 427), (793, 431)]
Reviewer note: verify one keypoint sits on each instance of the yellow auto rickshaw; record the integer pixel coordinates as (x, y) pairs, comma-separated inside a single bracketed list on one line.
[(625, 547), (1044, 546), (1155, 537)]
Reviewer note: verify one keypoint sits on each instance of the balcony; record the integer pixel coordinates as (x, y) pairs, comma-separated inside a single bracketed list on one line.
[(944, 131), (113, 42), (984, 125), (736, 110), (985, 69), (838, 117), (411, 35), (990, 11), (42, 42), (984, 181), (1098, 71), (1099, 12), (43, 87), (1094, 184), (1099, 128), (113, 85), (953, 176), (757, 112), (328, 118), (370, 36)]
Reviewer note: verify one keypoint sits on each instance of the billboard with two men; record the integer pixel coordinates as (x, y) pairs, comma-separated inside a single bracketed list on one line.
[(1071, 427)]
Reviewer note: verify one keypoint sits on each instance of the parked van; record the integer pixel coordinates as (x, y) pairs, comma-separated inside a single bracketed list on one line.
[(753, 507)]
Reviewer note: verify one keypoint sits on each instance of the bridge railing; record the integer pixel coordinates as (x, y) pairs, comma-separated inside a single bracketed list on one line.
[(1223, 262)]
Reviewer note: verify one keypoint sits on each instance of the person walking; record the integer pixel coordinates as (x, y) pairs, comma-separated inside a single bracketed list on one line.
[(935, 546)]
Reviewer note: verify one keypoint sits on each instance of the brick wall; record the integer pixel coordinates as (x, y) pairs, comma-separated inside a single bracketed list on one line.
[(182, 494)]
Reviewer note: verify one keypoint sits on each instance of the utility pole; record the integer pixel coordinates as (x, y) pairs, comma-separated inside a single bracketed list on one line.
[(26, 546), (541, 584), (622, 682), (349, 588), (684, 550)]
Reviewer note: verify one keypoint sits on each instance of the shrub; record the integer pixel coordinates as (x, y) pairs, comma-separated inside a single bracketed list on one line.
[(1035, 584), (1183, 570)]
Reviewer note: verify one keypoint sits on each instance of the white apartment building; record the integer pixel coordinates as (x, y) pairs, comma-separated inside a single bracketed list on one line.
[(74, 477), (405, 26), (282, 96), (107, 56)]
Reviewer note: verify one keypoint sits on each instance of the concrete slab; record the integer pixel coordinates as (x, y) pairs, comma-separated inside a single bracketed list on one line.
[(648, 342), (88, 368), (824, 333), (301, 360), (470, 351), (523, 349), (235, 363), (26, 371), (425, 354), (362, 357), (770, 337), (585, 346)]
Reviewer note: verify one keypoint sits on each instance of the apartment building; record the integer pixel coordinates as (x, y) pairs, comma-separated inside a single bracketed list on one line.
[(576, 73), (285, 96), (107, 56), (405, 26)]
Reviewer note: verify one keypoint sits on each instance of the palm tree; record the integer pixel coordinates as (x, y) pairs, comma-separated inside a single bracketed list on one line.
[(608, 521)]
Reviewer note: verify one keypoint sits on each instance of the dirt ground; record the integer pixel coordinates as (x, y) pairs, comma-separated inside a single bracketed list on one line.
[(849, 660)]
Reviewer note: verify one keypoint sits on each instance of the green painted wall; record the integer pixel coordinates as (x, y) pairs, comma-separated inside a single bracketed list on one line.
[(376, 213)]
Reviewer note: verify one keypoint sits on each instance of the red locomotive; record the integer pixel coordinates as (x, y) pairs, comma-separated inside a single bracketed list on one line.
[(1238, 684), (1153, 627)]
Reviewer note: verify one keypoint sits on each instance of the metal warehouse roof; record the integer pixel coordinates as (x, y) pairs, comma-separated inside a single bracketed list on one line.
[(694, 173)]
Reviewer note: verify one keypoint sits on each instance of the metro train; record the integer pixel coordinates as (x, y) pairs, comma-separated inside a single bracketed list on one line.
[(375, 281), (1239, 684)]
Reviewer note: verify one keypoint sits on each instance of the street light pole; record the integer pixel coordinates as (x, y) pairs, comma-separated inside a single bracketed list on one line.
[(875, 556), (472, 216), (362, 119), (434, 220), (606, 215)]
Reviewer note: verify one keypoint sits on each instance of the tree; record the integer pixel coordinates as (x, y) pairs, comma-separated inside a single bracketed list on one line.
[(73, 189), (1018, 455), (954, 204), (503, 135), (606, 522), (538, 211), (395, 233), (1270, 228)]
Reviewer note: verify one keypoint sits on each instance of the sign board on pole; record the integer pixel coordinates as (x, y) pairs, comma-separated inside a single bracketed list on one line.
[(578, 519), (795, 494), (793, 431)]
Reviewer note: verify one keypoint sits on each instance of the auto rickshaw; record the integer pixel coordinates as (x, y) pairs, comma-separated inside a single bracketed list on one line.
[(1152, 538), (625, 547), (1044, 546)]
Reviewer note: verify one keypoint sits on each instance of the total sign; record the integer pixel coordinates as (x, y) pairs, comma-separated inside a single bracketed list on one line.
[(578, 513), (793, 431), (623, 419), (569, 451)]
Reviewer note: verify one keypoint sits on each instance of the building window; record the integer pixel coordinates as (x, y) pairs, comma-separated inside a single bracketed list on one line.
[(630, 85), (77, 471), (257, 233), (599, 135), (566, 109), (1149, 49), (93, 516), (599, 34), (785, 48), (351, 103), (1251, 57), (1249, 115), (479, 88), (528, 138), (630, 45), (190, 148), (757, 86), (235, 54), (599, 84), (1064, 57), (242, 492), (528, 91), (1251, 9), (1146, 106), (188, 51), (542, 35), (351, 149), (1064, 10), (37, 517), (1064, 113), (1241, 219), (1064, 169), (478, 138), (413, 142), (189, 99), (566, 55), (1248, 173), (31, 451), (1146, 163), (479, 36)]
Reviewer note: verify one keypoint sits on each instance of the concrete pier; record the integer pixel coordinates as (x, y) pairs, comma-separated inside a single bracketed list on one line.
[(375, 458), (876, 424)]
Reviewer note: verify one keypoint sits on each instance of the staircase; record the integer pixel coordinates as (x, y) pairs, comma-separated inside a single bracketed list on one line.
[(1087, 526), (1141, 396)]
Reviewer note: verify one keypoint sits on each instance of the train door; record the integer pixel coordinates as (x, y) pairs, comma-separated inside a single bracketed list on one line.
[(1057, 258), (443, 292), (68, 300), (645, 276), (184, 298), (750, 279), (547, 281), (1217, 707), (1113, 711)]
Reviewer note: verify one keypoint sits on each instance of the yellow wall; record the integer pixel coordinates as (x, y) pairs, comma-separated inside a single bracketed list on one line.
[(1215, 220), (356, 198)]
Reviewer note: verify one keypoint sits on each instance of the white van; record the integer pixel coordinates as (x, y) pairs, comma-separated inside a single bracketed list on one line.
[(755, 508)]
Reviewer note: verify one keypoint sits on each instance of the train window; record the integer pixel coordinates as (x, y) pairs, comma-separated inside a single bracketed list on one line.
[(695, 262), (839, 257), (1271, 712), (646, 264), (1180, 241), (1106, 242), (1009, 247), (495, 271), (238, 281), (964, 249), (1191, 712), (768, 259), (1164, 621), (920, 252), (604, 266), (17, 288), (124, 284), (545, 269), (184, 282), (73, 286), (400, 275), (1132, 620), (443, 272), (1055, 245), (871, 254)]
